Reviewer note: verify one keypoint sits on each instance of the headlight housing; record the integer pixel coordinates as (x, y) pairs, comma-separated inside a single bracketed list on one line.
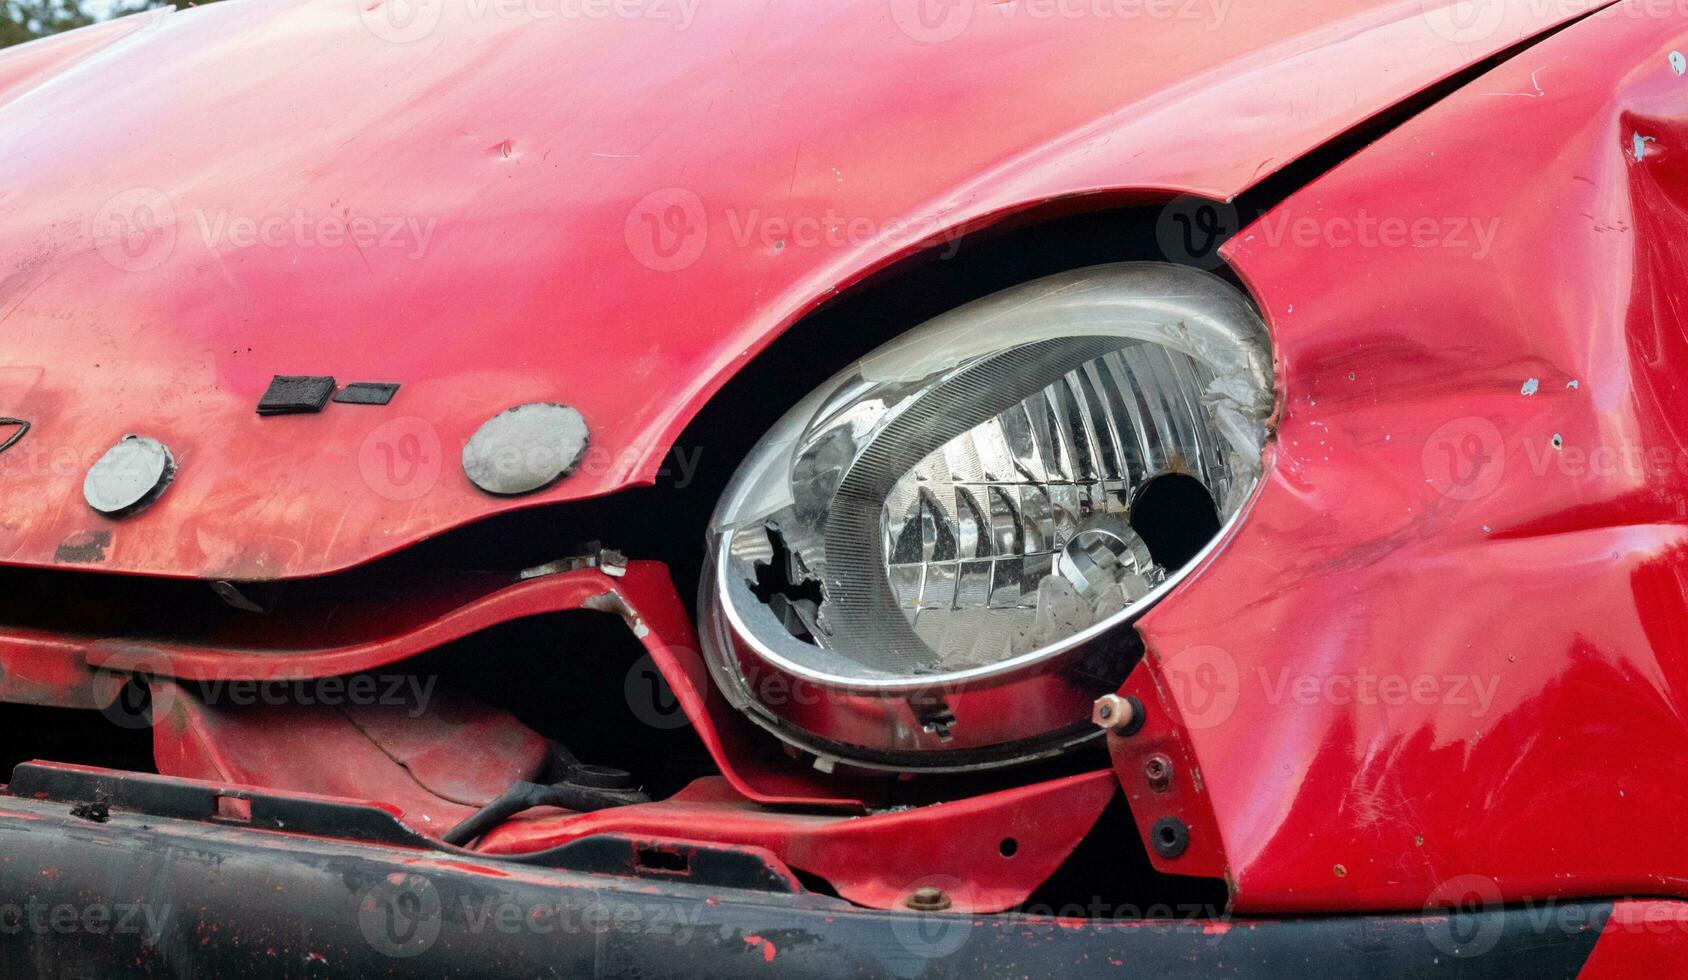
[(927, 563)]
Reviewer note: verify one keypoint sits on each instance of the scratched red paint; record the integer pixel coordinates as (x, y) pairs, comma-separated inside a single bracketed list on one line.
[(763, 944), (606, 119)]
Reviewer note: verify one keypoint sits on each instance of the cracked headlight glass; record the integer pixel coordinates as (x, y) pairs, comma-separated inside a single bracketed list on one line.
[(926, 562)]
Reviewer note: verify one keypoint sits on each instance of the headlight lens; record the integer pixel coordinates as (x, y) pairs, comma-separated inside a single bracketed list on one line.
[(965, 505)]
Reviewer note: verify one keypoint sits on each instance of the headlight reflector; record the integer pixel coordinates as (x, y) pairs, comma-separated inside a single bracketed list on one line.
[(952, 522)]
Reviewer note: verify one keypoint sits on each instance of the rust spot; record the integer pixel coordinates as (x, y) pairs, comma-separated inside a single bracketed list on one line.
[(98, 811), (83, 548)]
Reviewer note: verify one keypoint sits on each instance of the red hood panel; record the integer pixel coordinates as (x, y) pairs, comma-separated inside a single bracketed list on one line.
[(494, 204)]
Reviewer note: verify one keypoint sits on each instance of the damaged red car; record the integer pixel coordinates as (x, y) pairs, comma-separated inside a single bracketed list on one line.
[(931, 488)]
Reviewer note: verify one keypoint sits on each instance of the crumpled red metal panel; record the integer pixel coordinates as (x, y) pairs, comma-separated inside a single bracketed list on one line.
[(1449, 638), (609, 213), (986, 853), (643, 596), (436, 762), (437, 765)]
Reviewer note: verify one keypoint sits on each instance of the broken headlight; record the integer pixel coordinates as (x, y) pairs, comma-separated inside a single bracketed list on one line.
[(924, 565)]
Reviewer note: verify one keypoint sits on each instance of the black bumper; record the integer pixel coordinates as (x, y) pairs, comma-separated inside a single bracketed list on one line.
[(308, 889)]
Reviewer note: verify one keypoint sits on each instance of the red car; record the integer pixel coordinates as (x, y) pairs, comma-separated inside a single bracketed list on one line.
[(891, 488)]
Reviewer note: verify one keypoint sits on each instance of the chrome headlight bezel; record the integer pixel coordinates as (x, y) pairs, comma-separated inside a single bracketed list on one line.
[(1034, 703)]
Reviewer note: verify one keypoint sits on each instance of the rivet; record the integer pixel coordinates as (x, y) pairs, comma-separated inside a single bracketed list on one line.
[(525, 448), (131, 475)]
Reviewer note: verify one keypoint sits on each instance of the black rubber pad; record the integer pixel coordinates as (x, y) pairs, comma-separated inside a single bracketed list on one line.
[(366, 393), (292, 395)]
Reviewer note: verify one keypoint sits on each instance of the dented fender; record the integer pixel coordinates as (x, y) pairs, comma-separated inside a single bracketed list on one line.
[(1445, 650)]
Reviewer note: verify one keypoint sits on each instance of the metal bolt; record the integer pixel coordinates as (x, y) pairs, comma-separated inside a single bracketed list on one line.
[(928, 899), (1157, 769), (1118, 714)]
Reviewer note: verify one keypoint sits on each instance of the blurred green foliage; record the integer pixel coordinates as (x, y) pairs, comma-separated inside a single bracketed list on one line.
[(26, 20)]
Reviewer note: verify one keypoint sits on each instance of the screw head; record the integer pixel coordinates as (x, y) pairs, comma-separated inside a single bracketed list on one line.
[(1157, 769), (928, 899)]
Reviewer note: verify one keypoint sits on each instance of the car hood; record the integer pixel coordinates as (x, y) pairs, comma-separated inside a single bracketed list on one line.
[(611, 206)]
